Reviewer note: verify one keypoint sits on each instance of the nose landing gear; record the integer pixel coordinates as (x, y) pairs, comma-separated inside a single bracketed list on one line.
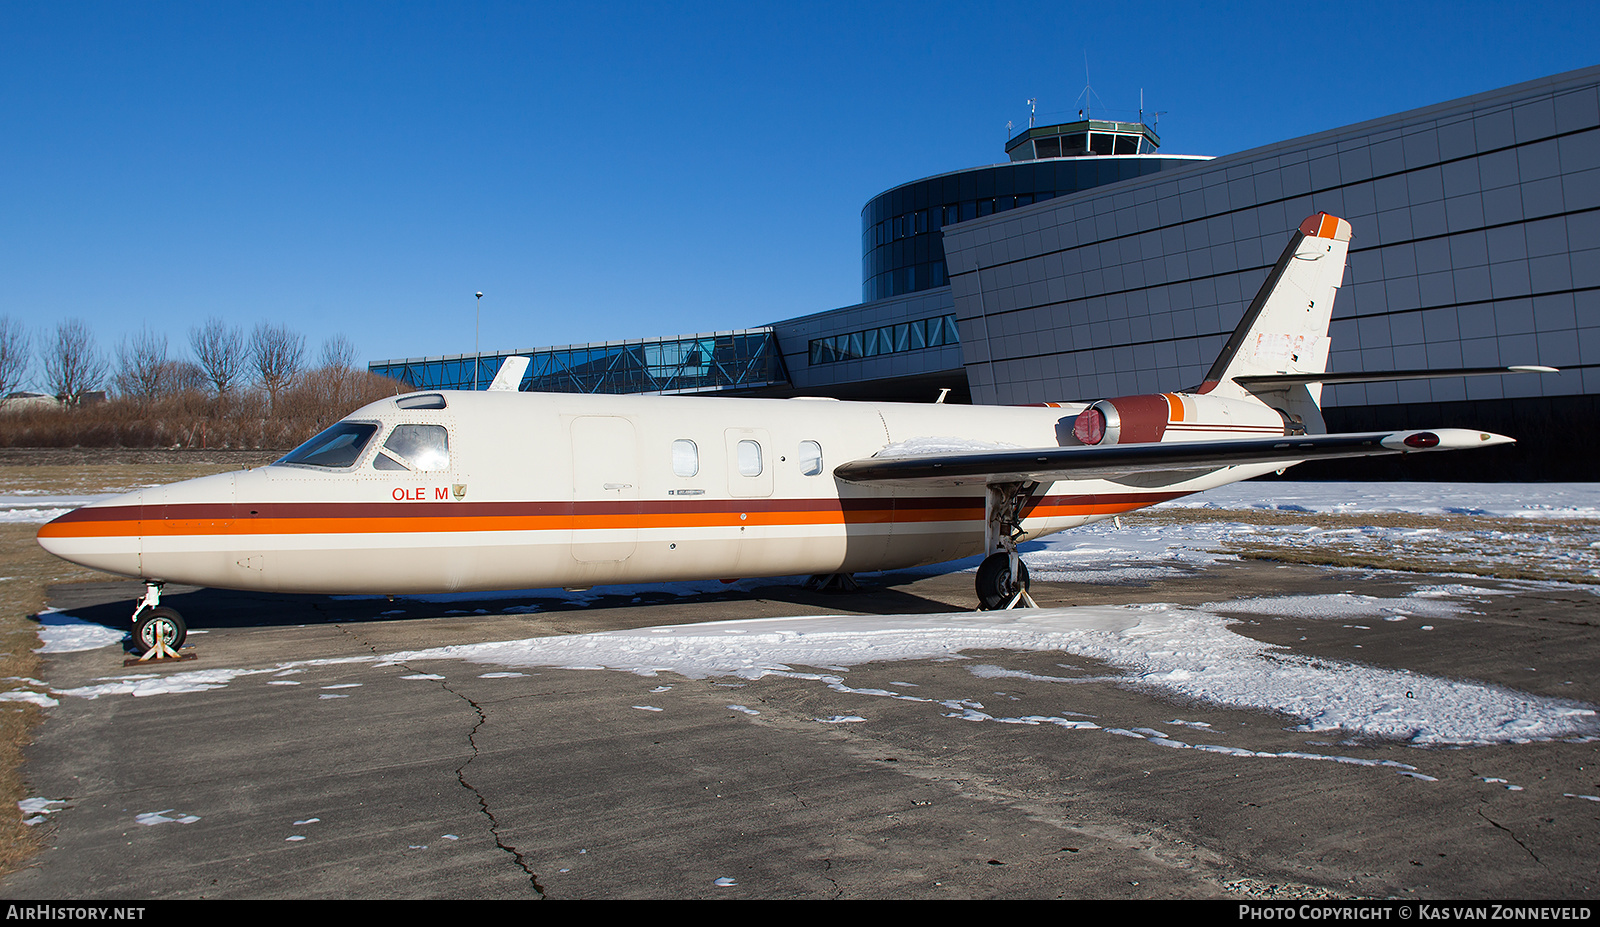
[(158, 631)]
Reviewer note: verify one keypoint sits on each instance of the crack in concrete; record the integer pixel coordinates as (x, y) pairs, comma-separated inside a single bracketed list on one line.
[(483, 805), (461, 771), (827, 867), (1513, 836)]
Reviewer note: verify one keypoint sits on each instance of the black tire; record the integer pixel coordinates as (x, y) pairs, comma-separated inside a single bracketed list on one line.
[(995, 588), (159, 624)]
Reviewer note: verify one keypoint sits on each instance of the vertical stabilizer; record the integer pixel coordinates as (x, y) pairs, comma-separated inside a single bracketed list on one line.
[(1285, 330), (509, 379)]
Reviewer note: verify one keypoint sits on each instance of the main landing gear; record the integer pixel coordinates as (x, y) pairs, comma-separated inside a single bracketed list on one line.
[(158, 631), (1002, 576), (833, 583)]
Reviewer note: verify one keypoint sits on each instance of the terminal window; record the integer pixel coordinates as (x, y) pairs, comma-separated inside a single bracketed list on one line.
[(887, 339)]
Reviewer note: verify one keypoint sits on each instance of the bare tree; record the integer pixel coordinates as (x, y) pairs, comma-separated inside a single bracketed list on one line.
[(142, 366), (72, 365), (14, 357), (183, 376), (339, 353), (219, 348), (277, 355)]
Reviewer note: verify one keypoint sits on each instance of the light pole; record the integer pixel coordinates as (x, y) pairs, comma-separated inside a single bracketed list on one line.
[(477, 345)]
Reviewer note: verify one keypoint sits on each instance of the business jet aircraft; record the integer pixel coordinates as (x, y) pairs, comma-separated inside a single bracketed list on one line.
[(444, 491)]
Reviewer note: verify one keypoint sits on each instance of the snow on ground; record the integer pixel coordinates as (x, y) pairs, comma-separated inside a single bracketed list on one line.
[(34, 508), (1144, 549), (1517, 500), (35, 809), (1534, 530), (62, 633), (1187, 653), (1184, 653), (1107, 552), (1346, 605)]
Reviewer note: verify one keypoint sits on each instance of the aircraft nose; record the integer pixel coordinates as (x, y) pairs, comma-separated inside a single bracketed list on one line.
[(162, 534), (103, 535)]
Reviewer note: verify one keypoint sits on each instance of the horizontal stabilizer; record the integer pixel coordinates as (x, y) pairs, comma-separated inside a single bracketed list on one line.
[(1269, 382), (1047, 464)]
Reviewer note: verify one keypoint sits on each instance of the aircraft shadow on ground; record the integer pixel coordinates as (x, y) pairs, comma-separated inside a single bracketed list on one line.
[(111, 603)]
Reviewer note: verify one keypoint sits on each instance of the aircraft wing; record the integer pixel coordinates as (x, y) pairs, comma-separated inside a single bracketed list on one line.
[(1047, 464)]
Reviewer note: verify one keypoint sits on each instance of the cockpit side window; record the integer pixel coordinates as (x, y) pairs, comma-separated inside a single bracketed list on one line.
[(415, 447), (336, 447)]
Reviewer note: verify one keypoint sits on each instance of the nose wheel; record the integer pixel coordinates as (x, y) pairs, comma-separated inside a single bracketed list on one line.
[(160, 628), (158, 631)]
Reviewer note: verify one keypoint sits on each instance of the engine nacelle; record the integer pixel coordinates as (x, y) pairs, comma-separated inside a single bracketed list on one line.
[(1178, 417)]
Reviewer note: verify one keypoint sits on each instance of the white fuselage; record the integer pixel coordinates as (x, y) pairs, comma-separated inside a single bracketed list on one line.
[(546, 490)]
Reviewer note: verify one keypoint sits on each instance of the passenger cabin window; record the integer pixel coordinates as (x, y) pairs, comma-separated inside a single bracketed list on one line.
[(810, 458), (415, 447), (685, 457), (336, 447), (749, 458)]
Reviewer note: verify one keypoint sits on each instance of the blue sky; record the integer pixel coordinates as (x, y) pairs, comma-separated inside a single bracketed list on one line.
[(607, 171)]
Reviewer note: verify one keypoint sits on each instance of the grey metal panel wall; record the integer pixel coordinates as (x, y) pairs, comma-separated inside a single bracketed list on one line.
[(1477, 242)]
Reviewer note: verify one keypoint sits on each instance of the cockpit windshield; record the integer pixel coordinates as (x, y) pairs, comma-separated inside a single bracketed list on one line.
[(415, 447), (336, 447)]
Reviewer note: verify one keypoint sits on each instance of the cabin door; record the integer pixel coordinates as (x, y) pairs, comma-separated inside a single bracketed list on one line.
[(605, 488)]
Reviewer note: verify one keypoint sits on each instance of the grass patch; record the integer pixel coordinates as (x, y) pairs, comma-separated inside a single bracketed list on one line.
[(26, 573), (1544, 549), (1400, 564)]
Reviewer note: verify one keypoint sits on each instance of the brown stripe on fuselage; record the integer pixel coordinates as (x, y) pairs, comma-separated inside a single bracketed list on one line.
[(391, 517)]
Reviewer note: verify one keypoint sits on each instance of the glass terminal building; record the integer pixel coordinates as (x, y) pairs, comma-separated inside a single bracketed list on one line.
[(1091, 265), (746, 359)]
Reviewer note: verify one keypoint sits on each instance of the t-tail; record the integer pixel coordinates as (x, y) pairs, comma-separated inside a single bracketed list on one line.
[(1268, 379), (1284, 331)]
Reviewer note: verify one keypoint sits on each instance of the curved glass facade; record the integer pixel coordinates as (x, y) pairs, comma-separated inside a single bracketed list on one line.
[(902, 242)]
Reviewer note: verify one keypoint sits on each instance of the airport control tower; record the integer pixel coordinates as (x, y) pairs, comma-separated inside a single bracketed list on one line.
[(1084, 138)]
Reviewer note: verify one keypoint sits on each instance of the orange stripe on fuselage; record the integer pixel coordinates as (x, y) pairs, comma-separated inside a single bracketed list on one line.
[(909, 511)]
